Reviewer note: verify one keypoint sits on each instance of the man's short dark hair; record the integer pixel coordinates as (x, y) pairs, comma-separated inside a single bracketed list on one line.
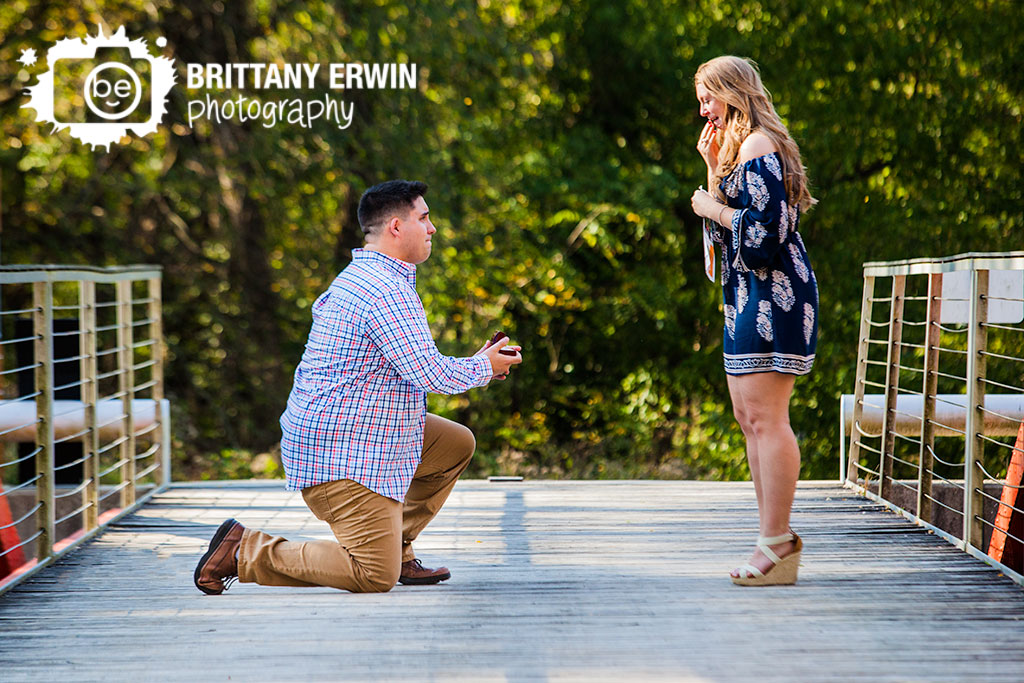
[(383, 201)]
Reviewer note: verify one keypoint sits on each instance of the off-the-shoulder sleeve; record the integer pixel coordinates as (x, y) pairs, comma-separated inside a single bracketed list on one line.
[(760, 226)]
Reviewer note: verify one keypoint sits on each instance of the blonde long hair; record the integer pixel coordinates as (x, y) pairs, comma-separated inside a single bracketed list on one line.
[(736, 82)]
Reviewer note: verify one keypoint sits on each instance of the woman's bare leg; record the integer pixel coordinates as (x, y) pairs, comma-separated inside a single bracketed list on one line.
[(765, 400)]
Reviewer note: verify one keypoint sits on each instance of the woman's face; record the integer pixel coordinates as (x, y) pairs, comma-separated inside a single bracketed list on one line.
[(711, 108)]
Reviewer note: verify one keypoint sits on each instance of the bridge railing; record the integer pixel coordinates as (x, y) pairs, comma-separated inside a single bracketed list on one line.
[(941, 354), (84, 426)]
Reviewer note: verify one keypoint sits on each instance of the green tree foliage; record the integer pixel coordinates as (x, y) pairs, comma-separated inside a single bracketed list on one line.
[(558, 138)]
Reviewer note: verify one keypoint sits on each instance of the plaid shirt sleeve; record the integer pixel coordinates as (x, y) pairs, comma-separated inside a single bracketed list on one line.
[(397, 326)]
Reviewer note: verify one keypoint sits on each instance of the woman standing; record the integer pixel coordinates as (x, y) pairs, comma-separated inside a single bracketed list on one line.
[(770, 294)]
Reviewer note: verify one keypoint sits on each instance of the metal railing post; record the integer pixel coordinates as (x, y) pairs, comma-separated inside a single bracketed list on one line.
[(892, 383), (126, 383), (91, 440), (156, 333), (974, 445), (932, 338), (862, 370), (42, 296)]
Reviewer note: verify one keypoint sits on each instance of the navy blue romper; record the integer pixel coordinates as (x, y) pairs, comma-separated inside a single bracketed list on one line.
[(770, 293)]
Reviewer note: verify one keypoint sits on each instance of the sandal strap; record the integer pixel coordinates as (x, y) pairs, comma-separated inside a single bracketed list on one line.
[(764, 541), (750, 569)]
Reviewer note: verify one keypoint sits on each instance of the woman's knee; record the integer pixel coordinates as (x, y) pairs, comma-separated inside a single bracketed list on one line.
[(767, 424), (743, 419)]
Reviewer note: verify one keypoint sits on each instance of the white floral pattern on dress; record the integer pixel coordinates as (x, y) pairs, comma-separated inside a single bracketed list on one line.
[(808, 322), (794, 217), (772, 162), (741, 294), (730, 321), (733, 182), (764, 320), (758, 190), (782, 291), (761, 274), (798, 263), (755, 235), (783, 220)]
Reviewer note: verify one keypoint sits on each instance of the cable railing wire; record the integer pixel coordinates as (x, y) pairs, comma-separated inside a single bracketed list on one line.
[(69, 465), (72, 437), (1000, 529), (78, 489), (952, 429), (23, 543), (905, 437), (26, 425), (1000, 356), (23, 518), (120, 463), (869, 448), (112, 445), (21, 369), (146, 472), (22, 459), (996, 479), (958, 378), (856, 425), (116, 489), (78, 511), (20, 311), (864, 468), (148, 453), (947, 464), (948, 481), (1009, 328), (943, 505)]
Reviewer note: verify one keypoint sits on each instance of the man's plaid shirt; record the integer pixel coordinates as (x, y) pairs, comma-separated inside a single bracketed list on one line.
[(359, 402)]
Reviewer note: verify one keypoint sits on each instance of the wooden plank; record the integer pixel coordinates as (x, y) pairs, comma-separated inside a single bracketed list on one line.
[(551, 580)]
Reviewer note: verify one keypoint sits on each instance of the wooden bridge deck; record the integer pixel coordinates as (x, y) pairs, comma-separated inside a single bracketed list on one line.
[(617, 581)]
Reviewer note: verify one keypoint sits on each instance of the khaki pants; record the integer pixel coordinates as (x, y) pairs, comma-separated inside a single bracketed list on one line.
[(374, 533)]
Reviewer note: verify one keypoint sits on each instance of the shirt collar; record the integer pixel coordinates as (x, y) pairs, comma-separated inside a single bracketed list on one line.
[(389, 264)]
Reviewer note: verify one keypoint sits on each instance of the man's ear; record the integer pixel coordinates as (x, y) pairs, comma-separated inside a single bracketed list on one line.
[(392, 226)]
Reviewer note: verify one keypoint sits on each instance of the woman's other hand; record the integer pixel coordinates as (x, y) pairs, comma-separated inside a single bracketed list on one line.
[(708, 147)]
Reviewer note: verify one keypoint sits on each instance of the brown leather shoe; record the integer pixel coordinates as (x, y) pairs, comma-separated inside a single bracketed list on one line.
[(415, 574), (218, 567)]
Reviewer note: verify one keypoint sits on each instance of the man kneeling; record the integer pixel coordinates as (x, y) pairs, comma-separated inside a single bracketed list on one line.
[(356, 436)]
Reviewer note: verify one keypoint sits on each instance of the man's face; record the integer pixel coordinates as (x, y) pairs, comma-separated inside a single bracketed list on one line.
[(416, 231)]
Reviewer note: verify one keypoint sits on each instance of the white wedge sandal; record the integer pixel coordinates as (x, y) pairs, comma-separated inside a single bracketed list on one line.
[(784, 569)]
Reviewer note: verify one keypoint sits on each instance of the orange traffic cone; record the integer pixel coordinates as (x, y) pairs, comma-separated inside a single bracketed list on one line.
[(8, 539), (1002, 547)]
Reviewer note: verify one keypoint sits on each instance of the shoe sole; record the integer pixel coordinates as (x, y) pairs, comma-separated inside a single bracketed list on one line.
[(425, 581), (218, 537), (782, 574)]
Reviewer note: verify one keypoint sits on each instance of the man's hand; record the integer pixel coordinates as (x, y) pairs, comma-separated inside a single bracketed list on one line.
[(501, 362)]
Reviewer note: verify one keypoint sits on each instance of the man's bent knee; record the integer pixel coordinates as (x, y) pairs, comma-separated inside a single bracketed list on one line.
[(377, 582), (467, 440)]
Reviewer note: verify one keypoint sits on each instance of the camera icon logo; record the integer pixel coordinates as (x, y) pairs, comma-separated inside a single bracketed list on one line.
[(115, 92), (102, 88)]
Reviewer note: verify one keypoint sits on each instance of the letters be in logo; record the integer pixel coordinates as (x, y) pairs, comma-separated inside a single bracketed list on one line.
[(102, 88)]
